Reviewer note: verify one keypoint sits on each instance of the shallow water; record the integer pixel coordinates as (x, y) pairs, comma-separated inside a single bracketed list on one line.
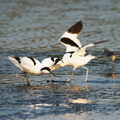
[(33, 28)]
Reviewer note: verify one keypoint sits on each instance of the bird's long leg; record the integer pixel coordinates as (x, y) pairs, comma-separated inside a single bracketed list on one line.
[(28, 81), (17, 75), (86, 78), (112, 64), (108, 64), (51, 75), (71, 76), (25, 77), (65, 72)]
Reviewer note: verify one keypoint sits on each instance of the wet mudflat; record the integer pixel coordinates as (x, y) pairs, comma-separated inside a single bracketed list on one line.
[(97, 99), (33, 29)]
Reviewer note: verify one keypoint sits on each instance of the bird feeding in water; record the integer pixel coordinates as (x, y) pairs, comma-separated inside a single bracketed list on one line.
[(32, 65), (110, 55), (75, 53)]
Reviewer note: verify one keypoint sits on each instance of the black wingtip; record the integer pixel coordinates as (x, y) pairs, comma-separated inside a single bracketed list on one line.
[(16, 58), (56, 61), (100, 42), (76, 28)]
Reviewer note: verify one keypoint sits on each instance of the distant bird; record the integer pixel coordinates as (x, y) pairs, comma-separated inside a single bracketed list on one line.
[(75, 52), (32, 65), (110, 56)]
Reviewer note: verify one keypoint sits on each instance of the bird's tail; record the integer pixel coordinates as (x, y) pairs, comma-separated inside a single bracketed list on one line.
[(57, 64), (13, 59)]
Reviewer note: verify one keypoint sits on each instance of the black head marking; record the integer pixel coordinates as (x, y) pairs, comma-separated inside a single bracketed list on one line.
[(106, 50), (52, 58), (76, 28), (108, 53), (68, 41), (46, 68), (32, 60), (18, 59), (57, 60)]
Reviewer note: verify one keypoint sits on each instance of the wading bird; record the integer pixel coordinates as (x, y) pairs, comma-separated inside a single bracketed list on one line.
[(110, 56), (32, 65), (75, 52)]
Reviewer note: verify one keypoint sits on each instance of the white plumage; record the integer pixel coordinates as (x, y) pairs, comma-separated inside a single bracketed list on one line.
[(74, 56), (32, 65), (75, 52)]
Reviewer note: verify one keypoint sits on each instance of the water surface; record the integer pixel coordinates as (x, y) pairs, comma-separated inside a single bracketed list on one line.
[(33, 28)]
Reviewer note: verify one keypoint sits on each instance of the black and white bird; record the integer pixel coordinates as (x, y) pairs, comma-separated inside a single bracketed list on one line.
[(32, 65), (75, 52), (110, 55)]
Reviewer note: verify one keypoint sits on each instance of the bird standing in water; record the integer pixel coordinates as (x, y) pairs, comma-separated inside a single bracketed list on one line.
[(32, 65), (110, 56), (75, 52)]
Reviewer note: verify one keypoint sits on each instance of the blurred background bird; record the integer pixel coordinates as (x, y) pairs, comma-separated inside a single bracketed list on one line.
[(110, 56)]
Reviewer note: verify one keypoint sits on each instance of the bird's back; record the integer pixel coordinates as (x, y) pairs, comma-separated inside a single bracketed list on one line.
[(71, 60), (27, 64), (16, 61)]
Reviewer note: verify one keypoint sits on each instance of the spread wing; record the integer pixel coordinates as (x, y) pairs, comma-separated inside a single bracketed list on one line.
[(69, 38), (82, 50)]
